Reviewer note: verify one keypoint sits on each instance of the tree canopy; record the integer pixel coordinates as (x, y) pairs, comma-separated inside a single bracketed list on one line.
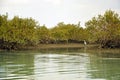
[(103, 29)]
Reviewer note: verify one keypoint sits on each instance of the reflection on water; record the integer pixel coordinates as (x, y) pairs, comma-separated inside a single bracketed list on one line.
[(14, 66), (67, 64), (59, 67)]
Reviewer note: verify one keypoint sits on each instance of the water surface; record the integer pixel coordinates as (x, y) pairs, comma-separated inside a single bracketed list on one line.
[(60, 64)]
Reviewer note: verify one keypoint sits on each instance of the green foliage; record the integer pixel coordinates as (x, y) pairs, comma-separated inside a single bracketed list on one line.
[(66, 32), (17, 32), (104, 29), (43, 34), (59, 32)]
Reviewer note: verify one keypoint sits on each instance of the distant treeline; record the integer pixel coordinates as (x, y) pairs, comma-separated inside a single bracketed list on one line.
[(18, 32)]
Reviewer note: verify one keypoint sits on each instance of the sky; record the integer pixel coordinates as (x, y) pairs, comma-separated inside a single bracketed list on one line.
[(51, 12)]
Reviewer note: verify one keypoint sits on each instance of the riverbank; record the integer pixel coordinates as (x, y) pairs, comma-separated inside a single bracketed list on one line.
[(58, 46), (70, 46), (53, 46)]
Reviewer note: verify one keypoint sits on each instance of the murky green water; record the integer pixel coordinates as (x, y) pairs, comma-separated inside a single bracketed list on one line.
[(60, 64)]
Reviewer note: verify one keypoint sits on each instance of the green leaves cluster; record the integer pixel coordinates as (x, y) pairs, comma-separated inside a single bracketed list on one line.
[(105, 29), (67, 32), (61, 33), (17, 32)]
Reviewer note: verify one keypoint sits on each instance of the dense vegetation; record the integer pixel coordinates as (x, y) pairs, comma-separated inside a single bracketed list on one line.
[(105, 29), (18, 32)]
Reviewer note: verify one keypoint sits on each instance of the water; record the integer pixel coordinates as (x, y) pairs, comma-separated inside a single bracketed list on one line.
[(60, 64)]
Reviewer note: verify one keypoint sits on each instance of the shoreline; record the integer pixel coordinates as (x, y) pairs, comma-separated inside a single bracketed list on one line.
[(69, 46), (57, 46)]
